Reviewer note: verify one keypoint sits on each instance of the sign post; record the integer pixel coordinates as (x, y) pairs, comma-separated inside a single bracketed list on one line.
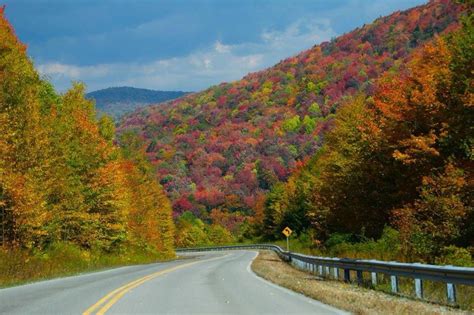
[(287, 232)]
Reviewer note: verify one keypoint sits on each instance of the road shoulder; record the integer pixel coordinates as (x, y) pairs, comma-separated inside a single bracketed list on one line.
[(340, 295)]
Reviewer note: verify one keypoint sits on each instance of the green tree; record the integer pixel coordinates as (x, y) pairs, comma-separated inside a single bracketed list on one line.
[(292, 124), (274, 210), (309, 124)]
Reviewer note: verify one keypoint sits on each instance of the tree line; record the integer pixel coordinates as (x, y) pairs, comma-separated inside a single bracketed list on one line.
[(63, 177)]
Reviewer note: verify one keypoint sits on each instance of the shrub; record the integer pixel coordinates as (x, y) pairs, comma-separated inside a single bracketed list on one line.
[(452, 255)]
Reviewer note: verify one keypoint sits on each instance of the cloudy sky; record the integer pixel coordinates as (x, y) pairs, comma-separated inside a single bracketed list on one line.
[(178, 45)]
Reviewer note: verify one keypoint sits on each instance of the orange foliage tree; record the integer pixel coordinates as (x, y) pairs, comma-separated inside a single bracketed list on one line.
[(62, 178)]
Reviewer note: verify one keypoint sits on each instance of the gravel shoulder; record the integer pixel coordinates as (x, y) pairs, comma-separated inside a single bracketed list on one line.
[(341, 295)]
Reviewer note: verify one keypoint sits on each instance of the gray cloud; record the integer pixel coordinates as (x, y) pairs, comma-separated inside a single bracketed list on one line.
[(183, 45), (201, 68)]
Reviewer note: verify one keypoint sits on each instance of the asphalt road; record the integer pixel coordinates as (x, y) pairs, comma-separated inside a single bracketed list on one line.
[(209, 283)]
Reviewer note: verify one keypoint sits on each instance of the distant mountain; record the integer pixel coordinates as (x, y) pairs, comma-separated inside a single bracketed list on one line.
[(117, 101)]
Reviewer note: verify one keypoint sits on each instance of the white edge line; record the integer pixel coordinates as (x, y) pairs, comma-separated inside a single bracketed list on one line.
[(293, 293)]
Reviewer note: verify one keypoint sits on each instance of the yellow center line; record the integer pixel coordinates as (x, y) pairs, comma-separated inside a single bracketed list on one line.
[(111, 298)]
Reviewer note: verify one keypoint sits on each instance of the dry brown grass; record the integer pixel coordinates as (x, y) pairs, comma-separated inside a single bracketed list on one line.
[(341, 295)]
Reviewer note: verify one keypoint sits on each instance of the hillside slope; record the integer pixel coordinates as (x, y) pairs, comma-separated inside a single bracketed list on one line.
[(117, 101), (225, 146)]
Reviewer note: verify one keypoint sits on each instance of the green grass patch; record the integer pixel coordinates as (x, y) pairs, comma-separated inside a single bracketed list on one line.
[(18, 266)]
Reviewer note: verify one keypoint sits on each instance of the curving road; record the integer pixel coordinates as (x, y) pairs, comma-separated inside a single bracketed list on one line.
[(205, 283)]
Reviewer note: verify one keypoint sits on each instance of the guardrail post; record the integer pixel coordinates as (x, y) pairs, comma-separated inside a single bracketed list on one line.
[(373, 276), (347, 275), (394, 283), (419, 288), (327, 272), (336, 273), (360, 277), (451, 292), (320, 270)]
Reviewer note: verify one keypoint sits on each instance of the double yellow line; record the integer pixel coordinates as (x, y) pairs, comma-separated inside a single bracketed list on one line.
[(110, 299)]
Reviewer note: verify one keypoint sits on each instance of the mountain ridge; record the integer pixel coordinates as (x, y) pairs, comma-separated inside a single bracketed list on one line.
[(116, 101)]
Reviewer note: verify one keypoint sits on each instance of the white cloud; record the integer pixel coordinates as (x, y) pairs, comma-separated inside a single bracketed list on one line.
[(57, 69), (200, 69), (221, 48), (73, 72), (301, 32)]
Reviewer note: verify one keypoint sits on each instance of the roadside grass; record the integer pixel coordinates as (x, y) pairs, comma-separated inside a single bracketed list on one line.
[(434, 291), (348, 297), (62, 259)]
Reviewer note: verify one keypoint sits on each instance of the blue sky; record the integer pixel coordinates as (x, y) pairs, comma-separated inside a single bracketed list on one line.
[(178, 45)]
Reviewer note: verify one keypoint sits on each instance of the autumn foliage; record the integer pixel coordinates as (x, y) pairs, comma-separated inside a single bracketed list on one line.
[(363, 137), (223, 147), (62, 178), (397, 160), (366, 138)]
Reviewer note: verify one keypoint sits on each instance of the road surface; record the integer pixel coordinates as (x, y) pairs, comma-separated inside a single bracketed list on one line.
[(206, 283)]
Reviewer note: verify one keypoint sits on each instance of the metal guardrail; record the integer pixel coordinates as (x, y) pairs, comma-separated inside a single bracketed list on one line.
[(450, 275)]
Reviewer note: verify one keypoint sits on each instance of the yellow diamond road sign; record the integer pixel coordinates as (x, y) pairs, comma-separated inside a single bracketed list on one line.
[(287, 231)]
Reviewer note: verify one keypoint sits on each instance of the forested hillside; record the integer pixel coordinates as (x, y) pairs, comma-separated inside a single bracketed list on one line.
[(63, 182), (396, 165), (117, 101), (218, 152)]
